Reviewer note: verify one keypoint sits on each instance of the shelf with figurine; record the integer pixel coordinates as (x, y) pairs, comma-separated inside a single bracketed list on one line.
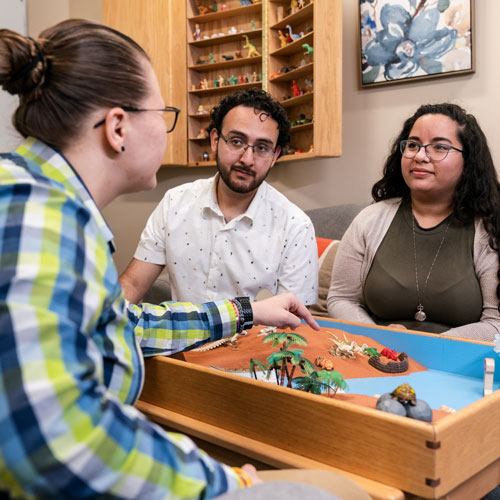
[(229, 60), (207, 14), (287, 74), (295, 45), (298, 13), (290, 102), (226, 87), (230, 36)]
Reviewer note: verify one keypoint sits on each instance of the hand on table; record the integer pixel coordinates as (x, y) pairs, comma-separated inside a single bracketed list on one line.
[(283, 311)]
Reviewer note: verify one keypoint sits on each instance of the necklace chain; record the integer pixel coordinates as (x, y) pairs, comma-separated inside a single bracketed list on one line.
[(420, 314)]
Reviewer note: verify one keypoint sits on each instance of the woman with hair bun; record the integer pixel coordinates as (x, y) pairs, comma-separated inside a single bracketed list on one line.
[(425, 255), (71, 346)]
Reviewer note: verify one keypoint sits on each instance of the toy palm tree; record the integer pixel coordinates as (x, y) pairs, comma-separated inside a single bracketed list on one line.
[(332, 378), (311, 383)]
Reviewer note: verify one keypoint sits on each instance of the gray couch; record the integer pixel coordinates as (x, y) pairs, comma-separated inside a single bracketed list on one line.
[(329, 222)]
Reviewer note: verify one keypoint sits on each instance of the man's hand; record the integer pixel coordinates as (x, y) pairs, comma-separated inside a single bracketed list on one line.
[(283, 311)]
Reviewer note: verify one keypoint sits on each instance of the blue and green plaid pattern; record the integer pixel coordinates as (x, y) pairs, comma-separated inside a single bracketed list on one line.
[(71, 351)]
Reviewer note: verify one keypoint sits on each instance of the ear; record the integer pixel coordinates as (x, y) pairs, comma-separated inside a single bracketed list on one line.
[(214, 139), (276, 155), (116, 127)]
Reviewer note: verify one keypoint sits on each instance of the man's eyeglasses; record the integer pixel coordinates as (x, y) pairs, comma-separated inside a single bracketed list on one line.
[(261, 150), (170, 115), (435, 151)]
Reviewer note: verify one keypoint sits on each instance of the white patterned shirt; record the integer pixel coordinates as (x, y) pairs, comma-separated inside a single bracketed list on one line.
[(271, 246)]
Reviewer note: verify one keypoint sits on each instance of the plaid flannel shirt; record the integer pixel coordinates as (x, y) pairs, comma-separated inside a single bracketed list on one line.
[(71, 351)]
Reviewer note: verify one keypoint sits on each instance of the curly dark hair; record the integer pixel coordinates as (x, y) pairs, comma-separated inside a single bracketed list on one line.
[(259, 100), (477, 193)]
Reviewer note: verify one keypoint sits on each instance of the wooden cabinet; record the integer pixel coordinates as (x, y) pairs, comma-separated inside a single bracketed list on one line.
[(204, 49)]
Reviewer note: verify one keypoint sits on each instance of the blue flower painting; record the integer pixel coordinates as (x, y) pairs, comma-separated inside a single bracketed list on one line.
[(404, 39)]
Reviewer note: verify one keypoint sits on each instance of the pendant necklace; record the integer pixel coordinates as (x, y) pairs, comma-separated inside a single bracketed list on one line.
[(420, 314)]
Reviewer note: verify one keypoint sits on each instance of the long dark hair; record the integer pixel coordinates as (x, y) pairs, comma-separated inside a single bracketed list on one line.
[(71, 70), (477, 193)]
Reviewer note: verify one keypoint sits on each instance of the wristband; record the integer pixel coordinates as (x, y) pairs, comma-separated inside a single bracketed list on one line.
[(243, 477), (246, 320)]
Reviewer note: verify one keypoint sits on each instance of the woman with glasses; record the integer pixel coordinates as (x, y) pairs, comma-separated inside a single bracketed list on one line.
[(71, 347), (425, 255)]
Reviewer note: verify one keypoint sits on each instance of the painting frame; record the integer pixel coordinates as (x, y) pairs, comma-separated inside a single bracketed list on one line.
[(412, 40)]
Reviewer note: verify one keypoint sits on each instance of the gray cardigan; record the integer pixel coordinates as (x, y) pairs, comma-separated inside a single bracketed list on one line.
[(355, 256)]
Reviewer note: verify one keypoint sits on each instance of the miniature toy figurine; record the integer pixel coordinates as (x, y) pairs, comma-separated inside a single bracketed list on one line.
[(216, 82), (295, 89), (404, 394), (197, 32), (282, 38), (252, 24), (214, 7), (227, 57), (223, 7), (222, 82), (204, 84), (279, 13), (201, 110), (294, 36), (202, 9), (293, 6), (211, 58), (205, 156), (402, 401), (254, 77), (309, 85), (309, 49), (232, 80), (241, 79), (252, 49), (245, 2), (237, 54), (389, 353), (311, 148), (300, 4), (202, 134), (232, 31)]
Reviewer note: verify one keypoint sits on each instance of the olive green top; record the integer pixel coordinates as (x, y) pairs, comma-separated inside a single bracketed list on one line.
[(452, 296)]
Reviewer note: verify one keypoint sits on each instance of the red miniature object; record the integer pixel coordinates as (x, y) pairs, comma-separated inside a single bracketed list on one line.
[(295, 89), (389, 354)]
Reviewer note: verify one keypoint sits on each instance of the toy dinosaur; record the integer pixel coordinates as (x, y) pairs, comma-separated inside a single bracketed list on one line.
[(202, 9), (282, 38), (252, 49), (294, 36), (309, 49)]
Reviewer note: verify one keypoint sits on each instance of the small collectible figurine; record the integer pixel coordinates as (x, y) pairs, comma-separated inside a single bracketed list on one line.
[(222, 82), (254, 77), (300, 4), (295, 89), (202, 9), (205, 156), (232, 80), (252, 49), (227, 58), (211, 58), (311, 148), (293, 6), (252, 24), (201, 134), (204, 84), (241, 79), (245, 2), (232, 31), (294, 36), (309, 49), (237, 54), (201, 110), (282, 38), (214, 7), (216, 82), (197, 32), (279, 13), (223, 7)]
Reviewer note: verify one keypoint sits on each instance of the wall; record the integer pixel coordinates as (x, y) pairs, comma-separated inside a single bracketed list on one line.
[(14, 18), (371, 119)]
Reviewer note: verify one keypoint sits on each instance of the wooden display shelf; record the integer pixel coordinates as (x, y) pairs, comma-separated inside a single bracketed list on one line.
[(219, 40), (302, 126), (202, 163), (456, 457), (295, 46), (226, 14), (297, 17), (296, 157), (232, 63), (226, 88), (295, 101), (294, 73)]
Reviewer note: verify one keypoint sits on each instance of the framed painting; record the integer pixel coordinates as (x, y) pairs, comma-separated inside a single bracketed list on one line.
[(407, 40)]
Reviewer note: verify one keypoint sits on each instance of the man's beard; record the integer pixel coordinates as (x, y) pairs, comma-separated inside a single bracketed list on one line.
[(236, 186)]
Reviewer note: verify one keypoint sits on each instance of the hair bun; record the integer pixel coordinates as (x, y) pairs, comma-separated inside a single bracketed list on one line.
[(27, 64)]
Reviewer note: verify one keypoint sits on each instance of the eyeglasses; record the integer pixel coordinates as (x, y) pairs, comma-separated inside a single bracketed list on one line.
[(170, 119), (261, 150), (434, 151)]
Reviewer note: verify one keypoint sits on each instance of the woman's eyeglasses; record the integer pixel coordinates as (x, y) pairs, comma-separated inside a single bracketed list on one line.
[(170, 115), (435, 151)]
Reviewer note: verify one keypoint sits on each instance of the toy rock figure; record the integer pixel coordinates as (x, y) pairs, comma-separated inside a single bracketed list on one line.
[(252, 49), (295, 89)]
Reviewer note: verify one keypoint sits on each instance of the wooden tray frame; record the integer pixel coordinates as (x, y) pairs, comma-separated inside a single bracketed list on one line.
[(456, 457)]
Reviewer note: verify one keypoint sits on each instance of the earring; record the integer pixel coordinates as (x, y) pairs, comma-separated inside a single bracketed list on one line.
[(123, 149)]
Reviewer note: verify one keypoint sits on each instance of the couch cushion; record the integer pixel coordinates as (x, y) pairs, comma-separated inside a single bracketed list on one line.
[(326, 252)]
